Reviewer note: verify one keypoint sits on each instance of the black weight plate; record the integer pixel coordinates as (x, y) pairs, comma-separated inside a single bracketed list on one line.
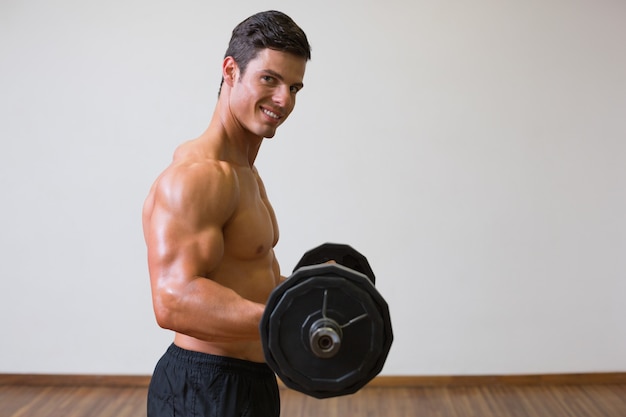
[(296, 303), (359, 350), (343, 254)]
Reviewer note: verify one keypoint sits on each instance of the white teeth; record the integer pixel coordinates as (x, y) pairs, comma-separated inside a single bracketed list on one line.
[(271, 114)]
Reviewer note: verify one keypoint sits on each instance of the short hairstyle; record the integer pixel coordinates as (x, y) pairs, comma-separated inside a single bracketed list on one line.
[(266, 30)]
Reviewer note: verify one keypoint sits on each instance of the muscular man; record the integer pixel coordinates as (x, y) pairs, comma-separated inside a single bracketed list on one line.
[(210, 232)]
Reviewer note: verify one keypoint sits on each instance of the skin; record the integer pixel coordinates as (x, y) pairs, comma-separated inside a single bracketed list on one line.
[(209, 227)]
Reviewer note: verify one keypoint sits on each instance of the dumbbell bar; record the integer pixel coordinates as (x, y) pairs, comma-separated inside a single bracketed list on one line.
[(326, 330)]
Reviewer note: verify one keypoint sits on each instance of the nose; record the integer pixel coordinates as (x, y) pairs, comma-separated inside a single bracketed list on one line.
[(282, 97)]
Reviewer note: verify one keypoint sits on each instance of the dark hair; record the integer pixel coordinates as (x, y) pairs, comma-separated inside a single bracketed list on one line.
[(271, 29)]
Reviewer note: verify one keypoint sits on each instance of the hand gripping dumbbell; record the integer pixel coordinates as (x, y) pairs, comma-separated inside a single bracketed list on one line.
[(326, 330)]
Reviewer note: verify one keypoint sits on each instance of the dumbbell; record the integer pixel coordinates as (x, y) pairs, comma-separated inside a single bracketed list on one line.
[(326, 330)]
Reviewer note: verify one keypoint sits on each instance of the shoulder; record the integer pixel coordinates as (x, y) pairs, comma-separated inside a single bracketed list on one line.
[(208, 189), (197, 176)]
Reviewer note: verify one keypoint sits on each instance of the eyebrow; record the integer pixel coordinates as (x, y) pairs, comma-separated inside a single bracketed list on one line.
[(281, 78)]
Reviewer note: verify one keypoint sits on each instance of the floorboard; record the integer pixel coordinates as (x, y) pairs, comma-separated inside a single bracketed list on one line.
[(457, 401)]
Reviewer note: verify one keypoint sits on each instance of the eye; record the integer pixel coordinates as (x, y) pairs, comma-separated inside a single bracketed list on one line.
[(267, 78), (294, 89)]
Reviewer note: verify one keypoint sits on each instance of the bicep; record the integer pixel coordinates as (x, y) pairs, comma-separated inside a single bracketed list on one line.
[(185, 230), (178, 254)]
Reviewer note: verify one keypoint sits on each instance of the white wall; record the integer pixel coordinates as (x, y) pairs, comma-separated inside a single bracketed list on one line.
[(475, 151)]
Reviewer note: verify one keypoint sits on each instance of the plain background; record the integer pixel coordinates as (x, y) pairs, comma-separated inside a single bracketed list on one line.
[(474, 151)]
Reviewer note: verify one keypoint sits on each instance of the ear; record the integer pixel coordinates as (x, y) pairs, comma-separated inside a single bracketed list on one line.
[(230, 70)]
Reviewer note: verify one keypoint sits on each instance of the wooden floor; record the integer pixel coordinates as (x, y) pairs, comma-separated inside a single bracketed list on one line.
[(472, 401)]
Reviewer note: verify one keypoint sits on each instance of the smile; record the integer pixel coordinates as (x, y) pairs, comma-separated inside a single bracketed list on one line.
[(271, 114)]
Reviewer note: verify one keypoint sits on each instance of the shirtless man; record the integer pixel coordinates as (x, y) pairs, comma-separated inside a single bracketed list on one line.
[(210, 232)]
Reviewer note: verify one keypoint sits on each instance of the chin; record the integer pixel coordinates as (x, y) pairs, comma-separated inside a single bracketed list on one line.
[(268, 133), (264, 131)]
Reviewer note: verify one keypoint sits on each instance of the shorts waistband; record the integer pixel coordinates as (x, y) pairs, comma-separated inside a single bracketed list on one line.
[(225, 363)]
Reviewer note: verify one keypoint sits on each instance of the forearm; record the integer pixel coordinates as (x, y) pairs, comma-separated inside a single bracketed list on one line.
[(209, 311)]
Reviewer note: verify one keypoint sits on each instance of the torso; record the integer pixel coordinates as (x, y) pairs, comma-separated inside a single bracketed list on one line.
[(248, 265)]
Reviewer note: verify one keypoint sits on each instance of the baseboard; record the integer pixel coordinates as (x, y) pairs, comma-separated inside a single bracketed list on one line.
[(473, 380), (384, 381), (75, 380)]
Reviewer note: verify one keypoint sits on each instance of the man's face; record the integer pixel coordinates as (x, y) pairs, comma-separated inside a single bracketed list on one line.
[(262, 99)]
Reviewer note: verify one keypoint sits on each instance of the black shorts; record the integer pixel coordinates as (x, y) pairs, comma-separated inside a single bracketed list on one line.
[(190, 384)]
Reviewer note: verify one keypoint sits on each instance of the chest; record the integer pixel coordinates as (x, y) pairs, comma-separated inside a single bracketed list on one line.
[(251, 231)]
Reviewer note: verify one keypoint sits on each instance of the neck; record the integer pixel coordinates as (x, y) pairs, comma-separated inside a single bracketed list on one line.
[(242, 146)]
